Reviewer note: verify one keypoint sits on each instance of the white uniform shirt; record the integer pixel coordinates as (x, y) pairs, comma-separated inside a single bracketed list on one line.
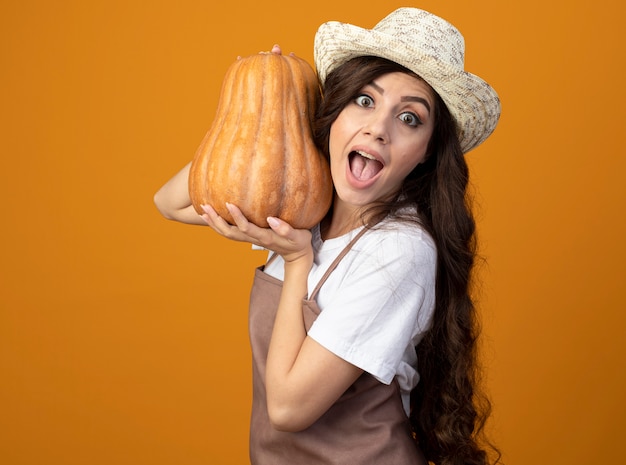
[(378, 302)]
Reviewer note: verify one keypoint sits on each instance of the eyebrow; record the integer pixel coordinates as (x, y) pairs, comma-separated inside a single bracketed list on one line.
[(407, 98), (421, 100)]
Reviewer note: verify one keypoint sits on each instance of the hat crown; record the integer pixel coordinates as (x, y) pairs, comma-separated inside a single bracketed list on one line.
[(433, 35)]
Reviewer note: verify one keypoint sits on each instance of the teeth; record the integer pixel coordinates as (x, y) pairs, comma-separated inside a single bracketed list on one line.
[(365, 155)]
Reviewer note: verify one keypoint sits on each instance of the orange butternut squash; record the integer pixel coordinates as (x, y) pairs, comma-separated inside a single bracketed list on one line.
[(259, 152)]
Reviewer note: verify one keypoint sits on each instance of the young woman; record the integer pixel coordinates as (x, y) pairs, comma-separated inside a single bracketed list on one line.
[(345, 319)]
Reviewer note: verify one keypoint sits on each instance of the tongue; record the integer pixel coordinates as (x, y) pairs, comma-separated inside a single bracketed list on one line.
[(363, 168)]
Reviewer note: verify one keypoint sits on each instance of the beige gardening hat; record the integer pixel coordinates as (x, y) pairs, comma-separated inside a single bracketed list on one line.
[(430, 47)]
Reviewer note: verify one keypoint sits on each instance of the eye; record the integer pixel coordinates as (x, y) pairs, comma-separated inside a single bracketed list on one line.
[(410, 118), (364, 101)]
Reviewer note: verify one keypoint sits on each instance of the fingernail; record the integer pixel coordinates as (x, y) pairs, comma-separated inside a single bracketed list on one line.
[(273, 222)]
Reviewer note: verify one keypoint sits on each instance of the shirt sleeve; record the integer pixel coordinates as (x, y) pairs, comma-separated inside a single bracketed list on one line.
[(384, 303)]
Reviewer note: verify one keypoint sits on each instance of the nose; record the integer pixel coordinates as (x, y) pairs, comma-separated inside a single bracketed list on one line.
[(376, 126)]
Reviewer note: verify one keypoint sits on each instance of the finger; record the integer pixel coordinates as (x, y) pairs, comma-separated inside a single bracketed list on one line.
[(280, 227), (276, 49), (253, 233), (290, 238), (238, 217), (219, 224), (208, 214), (213, 219)]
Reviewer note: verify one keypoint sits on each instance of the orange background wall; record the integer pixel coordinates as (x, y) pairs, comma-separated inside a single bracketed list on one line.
[(123, 336)]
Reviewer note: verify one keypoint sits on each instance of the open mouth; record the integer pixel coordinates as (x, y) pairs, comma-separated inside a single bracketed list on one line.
[(363, 165)]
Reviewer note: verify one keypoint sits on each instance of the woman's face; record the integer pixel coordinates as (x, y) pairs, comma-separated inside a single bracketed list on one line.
[(379, 137)]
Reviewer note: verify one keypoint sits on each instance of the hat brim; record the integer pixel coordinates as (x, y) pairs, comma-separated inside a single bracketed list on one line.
[(473, 103)]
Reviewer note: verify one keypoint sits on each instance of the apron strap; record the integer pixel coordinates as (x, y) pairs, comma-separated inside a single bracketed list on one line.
[(334, 264), (271, 259)]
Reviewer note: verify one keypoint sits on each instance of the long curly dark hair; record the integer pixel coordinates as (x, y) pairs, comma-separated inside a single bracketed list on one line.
[(448, 410)]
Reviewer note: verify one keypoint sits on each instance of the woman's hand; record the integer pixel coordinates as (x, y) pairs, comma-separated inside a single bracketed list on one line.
[(292, 244), (275, 49)]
